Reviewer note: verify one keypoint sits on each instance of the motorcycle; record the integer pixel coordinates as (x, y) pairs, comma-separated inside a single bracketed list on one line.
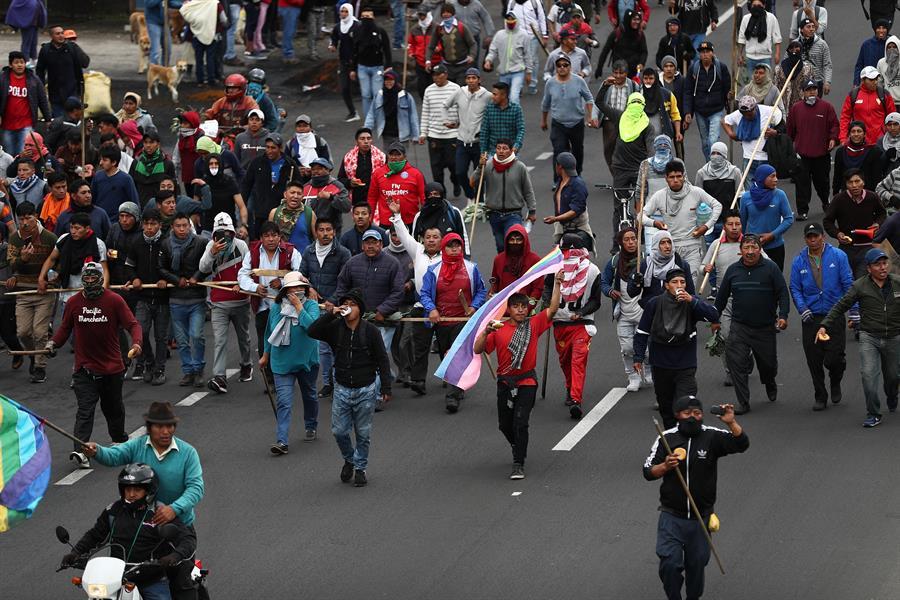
[(110, 578)]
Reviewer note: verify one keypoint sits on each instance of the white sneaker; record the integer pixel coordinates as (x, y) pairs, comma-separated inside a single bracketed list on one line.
[(647, 379), (81, 461), (634, 382)]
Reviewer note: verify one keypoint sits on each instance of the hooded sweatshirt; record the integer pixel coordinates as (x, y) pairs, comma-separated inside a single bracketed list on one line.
[(141, 117), (679, 212), (890, 68), (509, 267)]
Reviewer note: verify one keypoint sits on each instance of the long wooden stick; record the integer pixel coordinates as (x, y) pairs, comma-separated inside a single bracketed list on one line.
[(735, 20), (738, 192), (639, 219), (405, 53), (487, 359), (475, 207), (26, 352), (55, 428), (684, 485), (269, 393), (546, 363)]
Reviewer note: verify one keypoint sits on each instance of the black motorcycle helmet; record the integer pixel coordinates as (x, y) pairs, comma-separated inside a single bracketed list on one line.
[(257, 76), (139, 474)]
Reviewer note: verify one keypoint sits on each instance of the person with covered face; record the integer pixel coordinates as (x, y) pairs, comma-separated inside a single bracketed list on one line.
[(649, 281), (513, 261), (451, 288), (857, 153), (438, 213), (95, 315), (660, 106), (507, 191), (758, 34), (325, 195), (668, 331), (633, 145), (675, 43), (696, 449), (611, 101), (720, 179), (794, 92), (396, 180), (573, 324), (766, 212), (889, 67), (516, 344), (815, 51), (745, 126), (889, 143), (626, 42)]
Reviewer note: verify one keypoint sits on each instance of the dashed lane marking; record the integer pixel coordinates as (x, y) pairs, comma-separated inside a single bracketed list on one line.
[(229, 373), (137, 432), (543, 156), (193, 399), (592, 418), (514, 494), (529, 169), (74, 476)]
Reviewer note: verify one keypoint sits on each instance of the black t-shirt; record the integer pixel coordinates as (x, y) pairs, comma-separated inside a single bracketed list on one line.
[(222, 188), (890, 231)]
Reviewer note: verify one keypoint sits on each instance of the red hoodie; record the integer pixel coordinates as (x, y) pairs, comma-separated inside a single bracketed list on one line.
[(506, 270), (406, 186)]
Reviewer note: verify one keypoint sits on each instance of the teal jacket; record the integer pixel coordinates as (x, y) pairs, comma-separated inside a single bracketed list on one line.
[(179, 471), (303, 353)]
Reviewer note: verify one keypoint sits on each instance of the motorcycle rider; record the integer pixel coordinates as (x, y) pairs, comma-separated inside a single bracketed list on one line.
[(127, 525), (231, 110), (180, 479)]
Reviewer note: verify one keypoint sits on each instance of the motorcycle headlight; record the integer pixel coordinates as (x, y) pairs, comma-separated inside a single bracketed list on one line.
[(97, 590)]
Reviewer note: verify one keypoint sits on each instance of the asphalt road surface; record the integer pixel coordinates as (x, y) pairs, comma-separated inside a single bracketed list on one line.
[(809, 511)]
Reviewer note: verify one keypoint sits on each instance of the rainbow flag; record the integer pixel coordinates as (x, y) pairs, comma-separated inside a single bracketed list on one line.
[(24, 463), (461, 367)]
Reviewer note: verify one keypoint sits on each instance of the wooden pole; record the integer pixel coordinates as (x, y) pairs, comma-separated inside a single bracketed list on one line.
[(475, 205), (738, 191), (406, 52), (546, 363), (687, 491), (166, 35), (639, 218), (735, 18), (55, 428)]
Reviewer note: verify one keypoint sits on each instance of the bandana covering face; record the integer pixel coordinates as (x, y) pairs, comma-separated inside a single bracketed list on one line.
[(662, 147), (395, 166), (575, 269), (634, 120), (759, 193), (450, 265)]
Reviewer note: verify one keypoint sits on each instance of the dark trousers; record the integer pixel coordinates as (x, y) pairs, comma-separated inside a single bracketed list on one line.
[(107, 389), (446, 335), (817, 171), (158, 317), (347, 88), (442, 154), (8, 325), (567, 139), (681, 548), (457, 73), (29, 42), (513, 413), (746, 344), (205, 61), (423, 80), (777, 256), (669, 384), (261, 320), (857, 257), (421, 337), (610, 135), (124, 346), (824, 355), (181, 586), (467, 154)]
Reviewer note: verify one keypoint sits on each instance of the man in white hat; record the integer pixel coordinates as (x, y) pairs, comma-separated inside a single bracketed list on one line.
[(868, 103), (223, 257)]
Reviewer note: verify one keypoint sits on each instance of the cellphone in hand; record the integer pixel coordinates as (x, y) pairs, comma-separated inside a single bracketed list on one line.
[(717, 410)]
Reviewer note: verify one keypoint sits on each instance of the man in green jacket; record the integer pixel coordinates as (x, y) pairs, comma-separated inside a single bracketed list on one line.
[(878, 295)]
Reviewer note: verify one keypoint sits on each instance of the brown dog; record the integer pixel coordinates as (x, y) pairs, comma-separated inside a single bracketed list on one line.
[(138, 25), (168, 76)]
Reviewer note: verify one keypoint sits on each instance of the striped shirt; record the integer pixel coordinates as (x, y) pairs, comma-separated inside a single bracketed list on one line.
[(497, 124), (434, 115)]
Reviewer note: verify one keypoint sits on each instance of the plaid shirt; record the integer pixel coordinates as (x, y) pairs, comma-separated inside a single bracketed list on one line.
[(497, 123)]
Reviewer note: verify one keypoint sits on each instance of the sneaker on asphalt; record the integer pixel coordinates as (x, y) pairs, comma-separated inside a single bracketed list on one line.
[(359, 478), (742, 409), (351, 117), (40, 375), (451, 404), (347, 472), (819, 406), (872, 421), (198, 380), (17, 362), (246, 373), (148, 374), (278, 449), (772, 391), (836, 394), (647, 379), (187, 380), (418, 387), (575, 411), (81, 461), (379, 405), (310, 435), (218, 384), (159, 378), (326, 391), (518, 472), (634, 382)]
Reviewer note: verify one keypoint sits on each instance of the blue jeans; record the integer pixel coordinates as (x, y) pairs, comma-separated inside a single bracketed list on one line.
[(515, 81), (749, 180), (234, 13), (158, 590), (326, 363), (187, 324), (500, 224), (709, 128), (399, 11), (370, 81), (289, 16), (29, 42), (284, 398), (878, 358), (466, 155), (204, 61), (533, 46), (14, 139), (750, 64), (352, 409), (696, 39), (155, 33)]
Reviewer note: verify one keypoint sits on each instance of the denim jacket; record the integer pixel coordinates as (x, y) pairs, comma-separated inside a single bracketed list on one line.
[(407, 116)]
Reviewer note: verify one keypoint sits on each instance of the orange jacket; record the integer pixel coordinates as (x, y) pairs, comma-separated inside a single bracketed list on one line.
[(51, 209)]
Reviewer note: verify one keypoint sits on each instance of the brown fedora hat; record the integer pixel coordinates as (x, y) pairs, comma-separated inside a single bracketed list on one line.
[(161, 413)]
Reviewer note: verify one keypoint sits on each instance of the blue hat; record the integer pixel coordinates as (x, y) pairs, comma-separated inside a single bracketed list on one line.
[(322, 162), (372, 234), (874, 255)]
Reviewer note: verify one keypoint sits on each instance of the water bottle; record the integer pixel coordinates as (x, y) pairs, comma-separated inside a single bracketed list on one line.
[(704, 211), (528, 226)]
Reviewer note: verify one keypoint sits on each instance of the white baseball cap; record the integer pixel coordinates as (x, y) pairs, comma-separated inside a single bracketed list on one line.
[(869, 73), (256, 113)]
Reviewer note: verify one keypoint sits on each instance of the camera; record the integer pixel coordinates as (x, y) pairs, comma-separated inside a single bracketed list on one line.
[(717, 410)]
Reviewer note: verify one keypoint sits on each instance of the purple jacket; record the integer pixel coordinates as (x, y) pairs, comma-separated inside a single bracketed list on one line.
[(26, 13)]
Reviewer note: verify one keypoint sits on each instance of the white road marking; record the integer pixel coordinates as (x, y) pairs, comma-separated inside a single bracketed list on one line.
[(592, 418), (193, 399), (137, 432), (74, 476), (229, 373), (543, 156), (516, 494), (529, 169), (722, 18)]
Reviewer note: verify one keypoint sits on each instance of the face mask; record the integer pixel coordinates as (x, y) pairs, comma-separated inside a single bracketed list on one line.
[(647, 86), (717, 160), (186, 131), (423, 23), (757, 11), (521, 1), (214, 171), (93, 289), (811, 100), (892, 54), (511, 26), (319, 180), (396, 165), (447, 23), (690, 427)]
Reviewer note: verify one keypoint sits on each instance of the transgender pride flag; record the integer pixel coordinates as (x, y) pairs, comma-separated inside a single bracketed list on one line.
[(461, 367)]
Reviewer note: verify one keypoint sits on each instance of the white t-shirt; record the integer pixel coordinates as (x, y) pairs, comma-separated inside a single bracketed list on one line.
[(754, 48), (733, 119)]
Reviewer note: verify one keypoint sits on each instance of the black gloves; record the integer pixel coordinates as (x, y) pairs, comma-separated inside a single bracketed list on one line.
[(68, 560), (169, 560)]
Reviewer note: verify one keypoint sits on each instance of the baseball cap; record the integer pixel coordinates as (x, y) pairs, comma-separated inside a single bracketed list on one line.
[(805, 21), (397, 147), (511, 16), (869, 73), (810, 84), (813, 229), (894, 117), (304, 119), (372, 234), (562, 58), (275, 138), (747, 103), (706, 45), (70, 34), (567, 161), (686, 402), (322, 162), (73, 103), (438, 69), (255, 112), (874, 255), (566, 33), (473, 71)]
